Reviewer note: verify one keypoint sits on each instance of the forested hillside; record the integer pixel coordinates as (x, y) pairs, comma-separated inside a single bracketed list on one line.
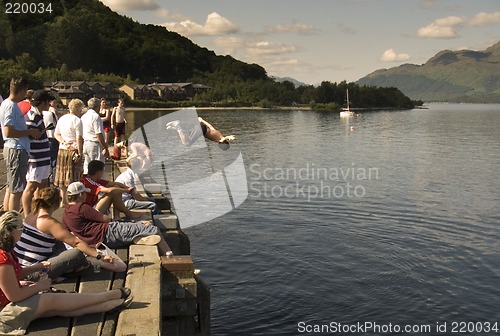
[(85, 40)]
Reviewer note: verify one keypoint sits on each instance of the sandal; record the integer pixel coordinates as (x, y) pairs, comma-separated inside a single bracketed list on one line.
[(125, 292), (124, 305)]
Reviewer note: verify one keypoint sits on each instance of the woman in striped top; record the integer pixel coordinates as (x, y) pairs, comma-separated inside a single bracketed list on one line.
[(41, 234)]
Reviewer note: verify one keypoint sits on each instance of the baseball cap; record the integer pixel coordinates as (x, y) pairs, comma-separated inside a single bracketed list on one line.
[(77, 188)]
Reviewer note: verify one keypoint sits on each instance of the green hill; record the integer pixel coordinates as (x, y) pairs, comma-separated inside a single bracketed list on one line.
[(453, 76), (87, 35)]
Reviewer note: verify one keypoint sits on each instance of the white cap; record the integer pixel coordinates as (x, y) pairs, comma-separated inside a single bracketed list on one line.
[(77, 188)]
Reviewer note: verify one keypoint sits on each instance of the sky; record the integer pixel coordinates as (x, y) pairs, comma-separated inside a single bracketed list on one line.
[(324, 40)]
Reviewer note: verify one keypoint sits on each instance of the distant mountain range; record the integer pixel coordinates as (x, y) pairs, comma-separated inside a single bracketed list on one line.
[(295, 82), (451, 76)]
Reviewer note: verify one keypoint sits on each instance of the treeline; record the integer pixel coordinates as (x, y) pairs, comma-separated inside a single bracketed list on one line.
[(85, 40), (267, 93)]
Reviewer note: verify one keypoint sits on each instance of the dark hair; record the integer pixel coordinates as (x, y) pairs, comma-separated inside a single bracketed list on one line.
[(47, 197), (9, 221), (29, 94), (17, 84), (95, 166)]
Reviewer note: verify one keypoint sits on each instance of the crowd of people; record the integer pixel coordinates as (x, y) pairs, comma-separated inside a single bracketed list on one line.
[(56, 162), (50, 163)]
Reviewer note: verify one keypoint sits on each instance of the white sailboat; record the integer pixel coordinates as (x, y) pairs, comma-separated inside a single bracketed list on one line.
[(346, 112)]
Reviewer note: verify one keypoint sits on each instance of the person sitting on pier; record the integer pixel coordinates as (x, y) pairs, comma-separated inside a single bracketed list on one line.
[(134, 200), (104, 193), (205, 129), (93, 227), (40, 236), (20, 304)]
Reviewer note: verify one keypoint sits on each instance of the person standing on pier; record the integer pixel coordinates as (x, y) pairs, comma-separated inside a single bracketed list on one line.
[(118, 122), (105, 114), (17, 143), (69, 133), (94, 146), (39, 167), (50, 117)]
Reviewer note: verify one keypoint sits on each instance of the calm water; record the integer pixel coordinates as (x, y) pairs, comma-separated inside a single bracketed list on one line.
[(394, 221)]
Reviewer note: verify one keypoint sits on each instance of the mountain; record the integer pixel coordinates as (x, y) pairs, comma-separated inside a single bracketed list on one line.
[(452, 76), (295, 82)]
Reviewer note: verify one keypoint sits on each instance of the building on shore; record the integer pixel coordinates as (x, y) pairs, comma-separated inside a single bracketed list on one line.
[(163, 91), (67, 90)]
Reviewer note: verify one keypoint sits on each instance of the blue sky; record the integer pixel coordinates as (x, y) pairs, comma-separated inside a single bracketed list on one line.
[(318, 40)]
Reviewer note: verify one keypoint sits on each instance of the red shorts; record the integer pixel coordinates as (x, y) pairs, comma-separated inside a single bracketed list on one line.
[(119, 129)]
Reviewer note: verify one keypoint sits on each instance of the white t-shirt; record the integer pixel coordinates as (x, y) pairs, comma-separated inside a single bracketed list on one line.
[(49, 118), (92, 125), (128, 178), (69, 127)]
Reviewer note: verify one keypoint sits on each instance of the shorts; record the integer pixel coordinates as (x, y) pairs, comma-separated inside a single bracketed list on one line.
[(119, 129), (16, 316), (106, 126), (122, 234), (37, 174), (16, 162)]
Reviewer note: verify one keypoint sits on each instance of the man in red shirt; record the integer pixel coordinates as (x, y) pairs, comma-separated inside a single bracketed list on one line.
[(93, 227), (104, 193)]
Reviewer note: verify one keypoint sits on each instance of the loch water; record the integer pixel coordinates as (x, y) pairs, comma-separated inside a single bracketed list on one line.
[(389, 217)]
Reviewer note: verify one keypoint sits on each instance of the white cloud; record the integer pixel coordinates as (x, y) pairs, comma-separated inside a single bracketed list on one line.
[(442, 28), (392, 56), (214, 25), (482, 19), (295, 28), (268, 48), (131, 5)]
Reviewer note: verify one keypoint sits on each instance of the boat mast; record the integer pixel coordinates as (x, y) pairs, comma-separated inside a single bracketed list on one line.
[(347, 98)]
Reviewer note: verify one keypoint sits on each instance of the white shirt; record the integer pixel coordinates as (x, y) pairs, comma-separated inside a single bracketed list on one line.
[(128, 178), (92, 125), (49, 118), (70, 128)]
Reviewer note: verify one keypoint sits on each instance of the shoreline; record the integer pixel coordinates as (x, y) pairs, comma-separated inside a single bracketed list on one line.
[(205, 108)]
